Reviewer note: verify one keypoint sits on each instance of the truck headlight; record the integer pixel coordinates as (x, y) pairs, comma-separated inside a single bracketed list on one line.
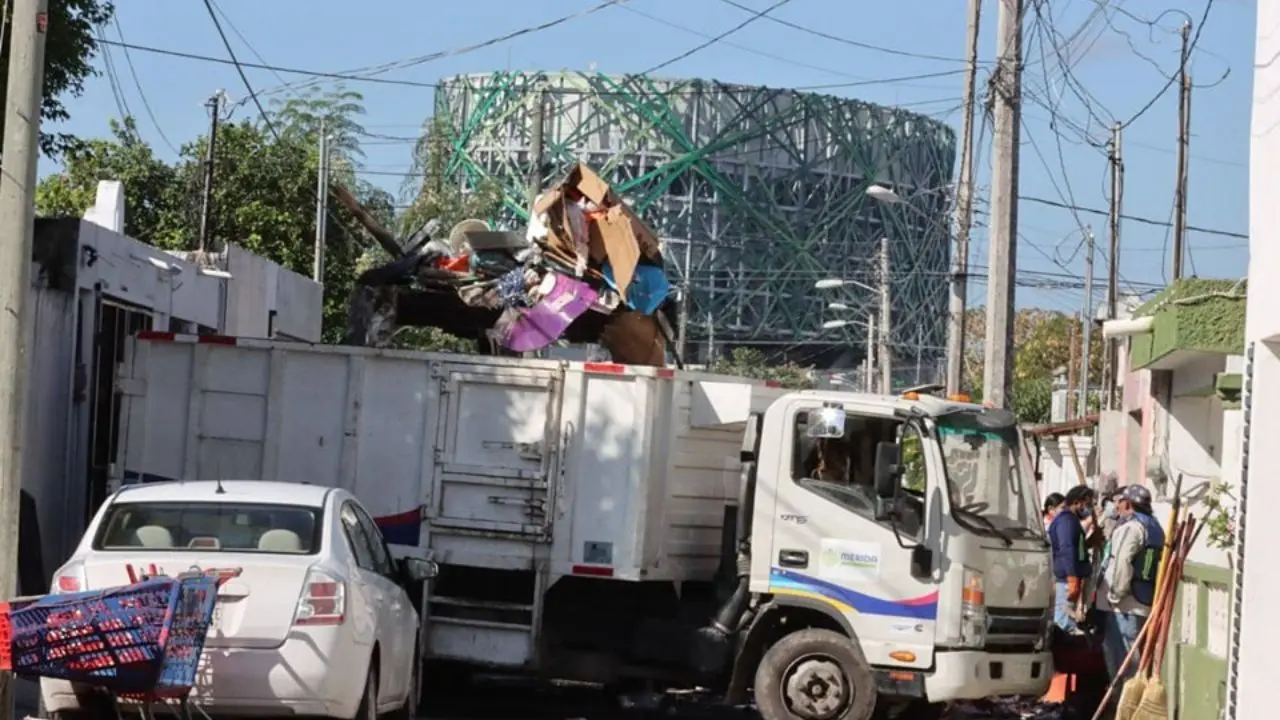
[(973, 610)]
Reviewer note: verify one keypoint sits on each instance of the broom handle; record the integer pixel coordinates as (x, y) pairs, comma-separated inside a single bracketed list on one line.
[(1138, 643), (1175, 579), (1173, 522), (1165, 597)]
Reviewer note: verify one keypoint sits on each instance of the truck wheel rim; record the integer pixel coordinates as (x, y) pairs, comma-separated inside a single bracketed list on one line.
[(815, 688)]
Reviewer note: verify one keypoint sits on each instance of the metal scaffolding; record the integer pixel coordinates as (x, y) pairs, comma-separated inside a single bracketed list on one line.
[(756, 192)]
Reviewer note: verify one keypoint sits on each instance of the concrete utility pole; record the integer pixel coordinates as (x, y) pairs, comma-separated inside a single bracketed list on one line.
[(1087, 323), (870, 361), (886, 328), (964, 208), (538, 131), (21, 153), (1113, 271), (1071, 371), (322, 206), (214, 104), (1184, 138), (1006, 89)]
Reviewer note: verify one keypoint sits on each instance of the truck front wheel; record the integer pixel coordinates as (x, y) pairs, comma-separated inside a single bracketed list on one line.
[(815, 675)]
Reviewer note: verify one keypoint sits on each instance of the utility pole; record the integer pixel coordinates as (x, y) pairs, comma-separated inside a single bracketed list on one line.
[(964, 208), (322, 206), (20, 153), (538, 131), (1071, 370), (1087, 327), (1113, 271), (1184, 138), (886, 329), (1006, 86), (870, 361), (919, 351), (214, 104)]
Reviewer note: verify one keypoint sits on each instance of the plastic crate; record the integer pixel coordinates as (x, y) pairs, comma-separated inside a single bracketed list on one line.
[(139, 639), (6, 638)]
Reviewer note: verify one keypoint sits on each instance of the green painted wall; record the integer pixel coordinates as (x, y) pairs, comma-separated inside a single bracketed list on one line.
[(1191, 314), (1196, 678)]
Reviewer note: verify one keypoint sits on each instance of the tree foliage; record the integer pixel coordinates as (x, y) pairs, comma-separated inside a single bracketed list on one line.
[(70, 45), (1042, 341), (752, 363)]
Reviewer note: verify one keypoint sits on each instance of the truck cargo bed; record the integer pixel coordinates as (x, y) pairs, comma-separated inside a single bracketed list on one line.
[(565, 468)]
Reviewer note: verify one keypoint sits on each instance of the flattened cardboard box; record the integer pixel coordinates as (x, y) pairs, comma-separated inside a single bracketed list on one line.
[(619, 235)]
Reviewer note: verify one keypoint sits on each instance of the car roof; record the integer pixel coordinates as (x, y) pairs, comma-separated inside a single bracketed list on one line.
[(252, 491)]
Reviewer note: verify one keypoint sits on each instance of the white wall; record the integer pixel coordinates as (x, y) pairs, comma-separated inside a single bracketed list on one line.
[(259, 287), (1254, 664)]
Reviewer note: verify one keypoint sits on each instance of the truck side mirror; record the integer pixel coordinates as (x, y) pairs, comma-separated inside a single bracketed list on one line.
[(888, 470), (921, 562)]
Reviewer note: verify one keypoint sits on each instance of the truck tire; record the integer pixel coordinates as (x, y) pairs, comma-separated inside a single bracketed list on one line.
[(815, 675)]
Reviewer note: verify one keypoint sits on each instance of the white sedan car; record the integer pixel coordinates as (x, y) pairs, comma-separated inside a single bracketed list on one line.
[(318, 622)]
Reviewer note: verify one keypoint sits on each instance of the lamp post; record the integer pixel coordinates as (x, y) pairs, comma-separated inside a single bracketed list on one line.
[(869, 360)]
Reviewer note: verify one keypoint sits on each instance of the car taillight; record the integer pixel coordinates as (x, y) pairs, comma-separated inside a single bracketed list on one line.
[(323, 600), (69, 579)]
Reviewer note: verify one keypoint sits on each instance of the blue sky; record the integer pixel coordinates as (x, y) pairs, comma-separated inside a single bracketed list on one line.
[(1111, 53)]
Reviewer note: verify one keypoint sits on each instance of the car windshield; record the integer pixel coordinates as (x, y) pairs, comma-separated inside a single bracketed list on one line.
[(211, 527), (986, 480)]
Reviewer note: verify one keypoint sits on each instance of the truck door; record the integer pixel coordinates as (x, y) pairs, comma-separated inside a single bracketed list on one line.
[(495, 444), (828, 548)]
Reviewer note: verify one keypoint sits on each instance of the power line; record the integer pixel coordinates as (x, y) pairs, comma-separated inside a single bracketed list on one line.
[(755, 15), (1135, 218), (846, 41), (724, 87), (115, 17)]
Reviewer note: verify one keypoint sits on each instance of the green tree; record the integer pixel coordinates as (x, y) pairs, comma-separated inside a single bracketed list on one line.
[(752, 363), (70, 45), (150, 184), (337, 111)]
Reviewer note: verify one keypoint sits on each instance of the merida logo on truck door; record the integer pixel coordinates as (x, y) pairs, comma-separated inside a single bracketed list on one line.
[(849, 560)]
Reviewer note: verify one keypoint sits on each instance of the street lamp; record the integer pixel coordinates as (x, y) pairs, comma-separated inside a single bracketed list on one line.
[(883, 194), (870, 324), (831, 283)]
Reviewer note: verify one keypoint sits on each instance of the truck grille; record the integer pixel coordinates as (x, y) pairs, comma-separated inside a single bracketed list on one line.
[(1016, 630)]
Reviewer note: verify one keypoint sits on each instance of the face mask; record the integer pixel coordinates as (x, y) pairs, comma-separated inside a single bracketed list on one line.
[(1083, 512)]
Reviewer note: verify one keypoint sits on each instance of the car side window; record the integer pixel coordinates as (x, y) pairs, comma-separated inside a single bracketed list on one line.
[(381, 554), (357, 538)]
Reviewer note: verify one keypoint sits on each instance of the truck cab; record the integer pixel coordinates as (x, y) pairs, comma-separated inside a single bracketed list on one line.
[(892, 553)]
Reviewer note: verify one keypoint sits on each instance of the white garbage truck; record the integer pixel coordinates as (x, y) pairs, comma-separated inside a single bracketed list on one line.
[(828, 555)]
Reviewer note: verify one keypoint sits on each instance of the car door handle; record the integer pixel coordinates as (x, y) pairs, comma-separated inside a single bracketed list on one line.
[(793, 558)]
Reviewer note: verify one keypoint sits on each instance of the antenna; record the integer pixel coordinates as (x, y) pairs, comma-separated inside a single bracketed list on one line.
[(221, 490)]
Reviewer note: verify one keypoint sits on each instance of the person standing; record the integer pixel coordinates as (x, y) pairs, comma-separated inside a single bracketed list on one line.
[(1052, 505), (1127, 587), (1070, 555)]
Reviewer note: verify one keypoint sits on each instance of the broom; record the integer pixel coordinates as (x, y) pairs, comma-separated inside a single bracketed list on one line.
[(1131, 693), (1155, 699)]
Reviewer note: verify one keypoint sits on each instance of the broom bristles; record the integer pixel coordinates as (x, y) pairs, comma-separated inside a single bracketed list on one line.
[(1155, 703), (1135, 688)]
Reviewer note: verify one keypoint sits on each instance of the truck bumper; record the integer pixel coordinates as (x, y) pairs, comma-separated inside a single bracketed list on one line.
[(972, 675)]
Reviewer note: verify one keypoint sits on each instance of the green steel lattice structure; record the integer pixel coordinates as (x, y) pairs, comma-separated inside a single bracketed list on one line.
[(756, 192)]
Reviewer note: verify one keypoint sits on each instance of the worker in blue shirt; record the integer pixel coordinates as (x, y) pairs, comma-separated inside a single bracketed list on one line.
[(1071, 567)]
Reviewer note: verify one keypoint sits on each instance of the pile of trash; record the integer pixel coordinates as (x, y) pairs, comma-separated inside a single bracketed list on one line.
[(584, 251)]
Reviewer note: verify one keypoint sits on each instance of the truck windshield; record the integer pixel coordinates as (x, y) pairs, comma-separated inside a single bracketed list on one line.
[(986, 479)]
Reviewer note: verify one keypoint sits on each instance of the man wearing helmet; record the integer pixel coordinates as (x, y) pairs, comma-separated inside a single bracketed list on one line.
[(1127, 587)]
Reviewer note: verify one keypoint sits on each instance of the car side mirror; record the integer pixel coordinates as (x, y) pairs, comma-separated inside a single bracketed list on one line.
[(416, 570), (888, 470)]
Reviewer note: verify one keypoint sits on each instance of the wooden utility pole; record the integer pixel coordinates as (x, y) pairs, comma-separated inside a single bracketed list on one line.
[(322, 206), (21, 153), (964, 208), (1113, 271), (1184, 138), (1006, 90), (214, 104)]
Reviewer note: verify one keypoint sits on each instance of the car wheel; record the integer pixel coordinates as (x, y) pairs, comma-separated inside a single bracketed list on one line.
[(815, 675), (369, 703)]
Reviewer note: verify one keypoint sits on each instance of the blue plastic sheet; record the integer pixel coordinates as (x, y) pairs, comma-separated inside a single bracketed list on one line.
[(648, 289)]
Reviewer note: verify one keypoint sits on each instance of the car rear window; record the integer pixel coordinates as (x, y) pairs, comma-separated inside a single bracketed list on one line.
[(211, 527)]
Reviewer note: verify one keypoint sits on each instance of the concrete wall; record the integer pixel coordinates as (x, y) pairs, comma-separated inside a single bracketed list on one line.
[(260, 288), (1253, 667)]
